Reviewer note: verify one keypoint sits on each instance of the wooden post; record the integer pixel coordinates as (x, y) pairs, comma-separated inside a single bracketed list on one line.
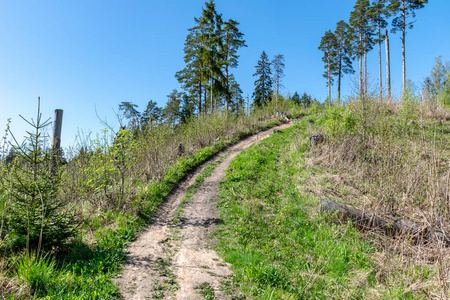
[(56, 138)]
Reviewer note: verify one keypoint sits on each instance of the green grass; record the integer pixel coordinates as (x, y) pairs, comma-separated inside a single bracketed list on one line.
[(205, 289), (85, 272), (193, 188), (278, 244)]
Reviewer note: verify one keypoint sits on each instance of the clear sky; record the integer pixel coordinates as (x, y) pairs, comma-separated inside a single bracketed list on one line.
[(85, 55)]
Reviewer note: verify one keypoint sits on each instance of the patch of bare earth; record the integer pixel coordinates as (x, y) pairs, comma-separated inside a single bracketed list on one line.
[(174, 261)]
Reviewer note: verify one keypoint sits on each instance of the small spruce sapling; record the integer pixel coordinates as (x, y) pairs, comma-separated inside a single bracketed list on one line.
[(37, 216)]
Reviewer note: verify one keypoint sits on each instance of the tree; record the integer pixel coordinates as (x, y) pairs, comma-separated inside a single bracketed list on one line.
[(211, 22), (306, 100), (152, 114), (171, 112), (404, 10), (232, 41), (263, 83), (437, 85), (328, 45), (192, 77), (378, 13), (210, 51), (344, 60), (237, 101), (36, 215), (361, 39), (131, 113), (278, 73), (296, 98), (187, 108)]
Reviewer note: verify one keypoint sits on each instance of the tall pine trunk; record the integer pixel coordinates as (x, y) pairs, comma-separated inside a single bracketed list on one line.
[(199, 95), (211, 92), (227, 86), (388, 67), (403, 44), (329, 80), (340, 73), (379, 60), (360, 66), (365, 62)]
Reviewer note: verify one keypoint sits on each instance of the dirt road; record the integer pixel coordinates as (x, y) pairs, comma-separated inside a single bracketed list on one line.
[(174, 261)]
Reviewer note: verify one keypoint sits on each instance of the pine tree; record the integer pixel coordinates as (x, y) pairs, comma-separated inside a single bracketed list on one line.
[(151, 115), (131, 113), (344, 60), (232, 41), (378, 14), (187, 108), (171, 112), (278, 73), (263, 83), (329, 45), (361, 39), (404, 9)]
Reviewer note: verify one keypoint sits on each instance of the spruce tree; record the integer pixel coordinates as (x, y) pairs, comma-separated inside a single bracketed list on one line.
[(263, 83), (37, 216), (211, 22), (192, 77), (404, 11), (296, 98)]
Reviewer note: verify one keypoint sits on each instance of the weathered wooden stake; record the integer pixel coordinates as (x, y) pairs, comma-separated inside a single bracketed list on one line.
[(56, 138)]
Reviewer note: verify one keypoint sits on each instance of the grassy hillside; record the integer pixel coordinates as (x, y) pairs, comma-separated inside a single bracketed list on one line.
[(108, 191), (386, 158)]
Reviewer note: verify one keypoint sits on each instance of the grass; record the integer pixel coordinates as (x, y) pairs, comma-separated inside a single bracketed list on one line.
[(110, 221), (193, 188), (205, 289), (281, 247)]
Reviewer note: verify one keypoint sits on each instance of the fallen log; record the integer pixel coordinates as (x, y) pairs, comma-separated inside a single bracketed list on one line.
[(389, 224)]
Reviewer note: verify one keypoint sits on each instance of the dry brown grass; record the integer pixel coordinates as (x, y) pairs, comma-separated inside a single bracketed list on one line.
[(393, 163)]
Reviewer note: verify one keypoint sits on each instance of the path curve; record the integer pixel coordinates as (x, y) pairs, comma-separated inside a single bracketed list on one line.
[(172, 262)]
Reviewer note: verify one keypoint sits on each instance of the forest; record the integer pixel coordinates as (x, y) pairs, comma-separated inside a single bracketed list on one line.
[(69, 217)]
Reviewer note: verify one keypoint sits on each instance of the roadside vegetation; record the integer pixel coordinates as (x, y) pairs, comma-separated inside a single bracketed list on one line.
[(391, 158), (106, 191), (64, 230)]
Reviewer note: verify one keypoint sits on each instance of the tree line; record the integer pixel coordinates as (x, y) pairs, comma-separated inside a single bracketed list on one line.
[(208, 84), (367, 27)]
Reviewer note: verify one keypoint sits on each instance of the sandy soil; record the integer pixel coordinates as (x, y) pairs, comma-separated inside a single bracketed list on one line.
[(172, 261)]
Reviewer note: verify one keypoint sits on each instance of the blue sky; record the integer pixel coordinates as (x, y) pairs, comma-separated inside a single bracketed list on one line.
[(85, 55)]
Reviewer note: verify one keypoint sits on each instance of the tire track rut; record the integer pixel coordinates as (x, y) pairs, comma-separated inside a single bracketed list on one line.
[(169, 261)]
